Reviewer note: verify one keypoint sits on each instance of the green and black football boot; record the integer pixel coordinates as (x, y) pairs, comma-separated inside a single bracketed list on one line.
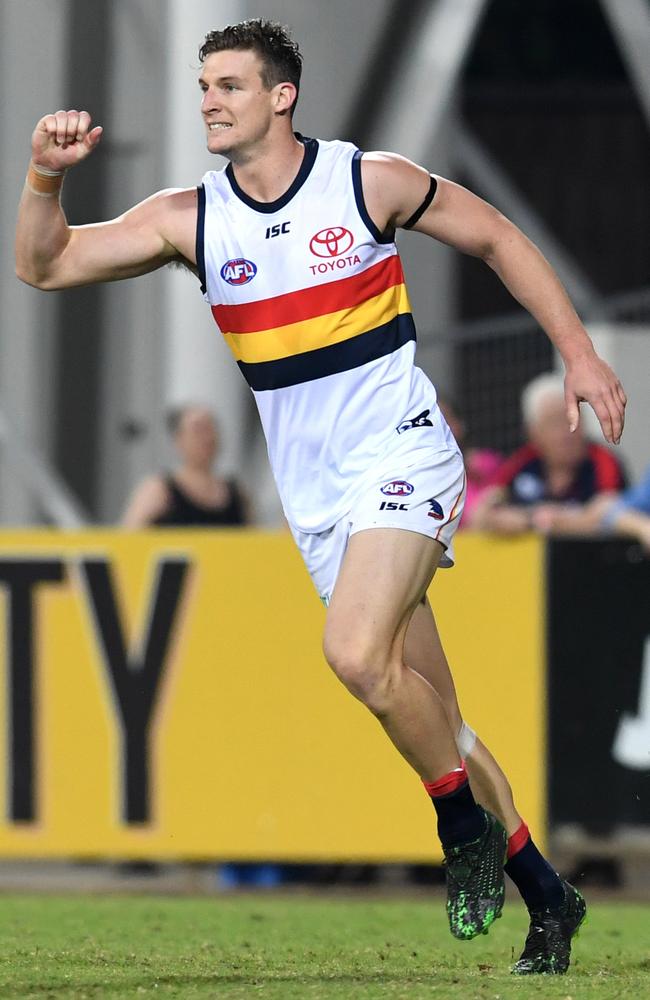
[(548, 946), (475, 881)]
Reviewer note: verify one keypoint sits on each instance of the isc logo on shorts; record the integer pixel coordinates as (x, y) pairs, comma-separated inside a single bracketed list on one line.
[(238, 271), (397, 488)]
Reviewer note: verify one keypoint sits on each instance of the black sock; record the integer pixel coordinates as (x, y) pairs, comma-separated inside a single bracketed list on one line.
[(540, 887), (460, 820)]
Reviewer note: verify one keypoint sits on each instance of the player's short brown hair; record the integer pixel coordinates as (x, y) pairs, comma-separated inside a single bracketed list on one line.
[(281, 59)]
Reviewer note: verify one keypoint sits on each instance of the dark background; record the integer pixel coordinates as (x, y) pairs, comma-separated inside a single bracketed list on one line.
[(599, 619)]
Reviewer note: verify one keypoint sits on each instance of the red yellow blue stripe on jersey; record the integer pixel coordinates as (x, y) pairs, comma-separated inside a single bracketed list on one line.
[(322, 330)]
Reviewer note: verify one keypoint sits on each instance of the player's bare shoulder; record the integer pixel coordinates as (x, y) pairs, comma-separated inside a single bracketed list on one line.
[(393, 187), (176, 211)]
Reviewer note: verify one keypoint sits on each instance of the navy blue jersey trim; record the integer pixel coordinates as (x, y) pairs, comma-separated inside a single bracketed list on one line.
[(200, 231), (430, 195), (389, 235), (267, 207), (330, 360)]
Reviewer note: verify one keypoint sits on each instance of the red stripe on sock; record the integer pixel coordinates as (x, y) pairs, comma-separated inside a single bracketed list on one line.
[(448, 783), (518, 840)]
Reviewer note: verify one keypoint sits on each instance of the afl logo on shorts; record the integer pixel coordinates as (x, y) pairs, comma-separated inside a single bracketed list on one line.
[(436, 512), (398, 488), (238, 271), (331, 242)]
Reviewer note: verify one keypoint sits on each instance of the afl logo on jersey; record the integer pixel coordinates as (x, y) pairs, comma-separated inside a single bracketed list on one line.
[(331, 242), (398, 488), (238, 271)]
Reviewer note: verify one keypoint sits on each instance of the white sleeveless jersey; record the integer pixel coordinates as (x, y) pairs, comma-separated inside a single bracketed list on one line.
[(310, 298)]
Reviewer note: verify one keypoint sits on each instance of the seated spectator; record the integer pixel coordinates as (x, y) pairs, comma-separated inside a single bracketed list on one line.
[(481, 464), (554, 467), (192, 494), (626, 513)]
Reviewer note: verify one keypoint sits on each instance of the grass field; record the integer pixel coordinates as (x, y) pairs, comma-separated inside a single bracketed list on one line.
[(287, 947)]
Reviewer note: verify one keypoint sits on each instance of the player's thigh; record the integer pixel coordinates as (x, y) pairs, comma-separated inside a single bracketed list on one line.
[(383, 577), (424, 653)]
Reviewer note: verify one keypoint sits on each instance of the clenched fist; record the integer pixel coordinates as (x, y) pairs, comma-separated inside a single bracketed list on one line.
[(63, 139)]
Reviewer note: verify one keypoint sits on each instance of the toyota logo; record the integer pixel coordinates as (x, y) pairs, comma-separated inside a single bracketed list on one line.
[(331, 242)]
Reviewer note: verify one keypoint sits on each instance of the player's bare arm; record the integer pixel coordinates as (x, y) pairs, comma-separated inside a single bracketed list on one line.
[(51, 254), (394, 188)]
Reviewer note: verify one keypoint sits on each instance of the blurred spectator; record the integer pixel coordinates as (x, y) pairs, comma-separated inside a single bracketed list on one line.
[(626, 513), (194, 496), (191, 495), (481, 464), (554, 467)]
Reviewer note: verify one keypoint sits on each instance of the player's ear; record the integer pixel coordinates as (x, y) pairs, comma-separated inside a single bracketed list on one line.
[(284, 97)]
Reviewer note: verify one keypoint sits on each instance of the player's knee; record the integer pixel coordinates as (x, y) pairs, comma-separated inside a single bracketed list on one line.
[(365, 671)]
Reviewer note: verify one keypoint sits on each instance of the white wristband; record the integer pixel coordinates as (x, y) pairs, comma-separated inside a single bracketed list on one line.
[(45, 172)]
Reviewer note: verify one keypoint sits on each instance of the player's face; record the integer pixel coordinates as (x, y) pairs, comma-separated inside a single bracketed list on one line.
[(237, 109), (196, 438)]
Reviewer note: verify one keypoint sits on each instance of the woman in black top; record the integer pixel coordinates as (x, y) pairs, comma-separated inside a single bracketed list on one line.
[(192, 495)]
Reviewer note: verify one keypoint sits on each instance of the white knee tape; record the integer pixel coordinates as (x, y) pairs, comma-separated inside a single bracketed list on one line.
[(466, 740)]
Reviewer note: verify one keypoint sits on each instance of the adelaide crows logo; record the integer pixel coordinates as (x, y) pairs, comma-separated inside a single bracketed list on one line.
[(436, 512)]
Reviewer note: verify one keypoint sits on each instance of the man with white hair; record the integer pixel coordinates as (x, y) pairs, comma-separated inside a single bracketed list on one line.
[(555, 466)]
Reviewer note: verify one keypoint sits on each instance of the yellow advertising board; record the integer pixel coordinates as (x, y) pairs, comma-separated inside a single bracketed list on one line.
[(163, 694)]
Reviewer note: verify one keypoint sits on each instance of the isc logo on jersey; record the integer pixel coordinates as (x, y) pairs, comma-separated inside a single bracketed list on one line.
[(238, 271)]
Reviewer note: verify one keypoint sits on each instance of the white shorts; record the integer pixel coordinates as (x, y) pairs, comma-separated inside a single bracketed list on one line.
[(427, 498)]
